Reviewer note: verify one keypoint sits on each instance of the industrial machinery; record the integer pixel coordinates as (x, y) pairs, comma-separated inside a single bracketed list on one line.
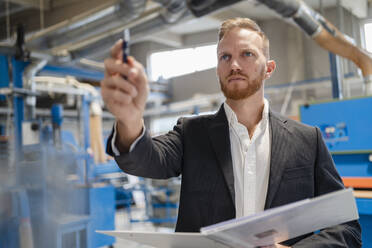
[(345, 125), (51, 193), (57, 185)]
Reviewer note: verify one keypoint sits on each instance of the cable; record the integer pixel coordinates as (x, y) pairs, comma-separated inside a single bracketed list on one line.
[(7, 19), (8, 116), (41, 14)]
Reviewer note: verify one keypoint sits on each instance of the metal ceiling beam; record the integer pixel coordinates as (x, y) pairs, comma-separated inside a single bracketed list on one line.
[(57, 18), (33, 3), (358, 7), (169, 39), (100, 36), (144, 29), (71, 19), (118, 15), (13, 8)]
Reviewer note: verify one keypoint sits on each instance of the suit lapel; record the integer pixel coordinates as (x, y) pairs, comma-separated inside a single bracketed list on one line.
[(218, 130), (280, 152)]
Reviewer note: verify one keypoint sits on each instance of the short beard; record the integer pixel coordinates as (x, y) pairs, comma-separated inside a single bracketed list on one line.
[(251, 87)]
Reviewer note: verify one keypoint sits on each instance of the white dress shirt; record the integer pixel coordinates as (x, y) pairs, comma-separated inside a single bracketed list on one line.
[(251, 162)]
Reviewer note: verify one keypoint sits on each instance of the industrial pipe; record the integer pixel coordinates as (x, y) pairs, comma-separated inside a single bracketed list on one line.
[(171, 13), (64, 25), (125, 11), (100, 42), (324, 34), (203, 7), (29, 83), (81, 29)]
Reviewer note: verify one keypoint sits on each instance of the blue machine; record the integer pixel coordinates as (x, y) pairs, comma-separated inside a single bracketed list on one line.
[(346, 128), (61, 209)]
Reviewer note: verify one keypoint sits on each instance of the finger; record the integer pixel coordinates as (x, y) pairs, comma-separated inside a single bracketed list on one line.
[(114, 97), (137, 72), (124, 85), (114, 66), (121, 97), (134, 71), (134, 63), (116, 50), (134, 74), (118, 83)]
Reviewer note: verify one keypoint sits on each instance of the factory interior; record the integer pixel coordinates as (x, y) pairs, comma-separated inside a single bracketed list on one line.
[(58, 186)]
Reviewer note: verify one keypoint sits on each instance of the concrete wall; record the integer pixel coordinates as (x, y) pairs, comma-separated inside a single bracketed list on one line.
[(286, 48), (200, 39), (142, 50), (204, 82)]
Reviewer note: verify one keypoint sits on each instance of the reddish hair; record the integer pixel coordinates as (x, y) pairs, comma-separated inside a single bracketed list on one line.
[(246, 23)]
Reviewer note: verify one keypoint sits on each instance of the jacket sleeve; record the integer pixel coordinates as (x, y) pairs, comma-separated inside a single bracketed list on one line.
[(157, 158), (327, 180)]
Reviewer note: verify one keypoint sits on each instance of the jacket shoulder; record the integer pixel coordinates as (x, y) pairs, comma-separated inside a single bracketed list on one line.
[(196, 120), (296, 128), (290, 122)]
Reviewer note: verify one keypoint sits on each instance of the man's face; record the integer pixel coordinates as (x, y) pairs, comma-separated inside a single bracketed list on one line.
[(242, 65)]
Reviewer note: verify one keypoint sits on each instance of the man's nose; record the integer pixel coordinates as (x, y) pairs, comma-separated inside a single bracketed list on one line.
[(235, 65)]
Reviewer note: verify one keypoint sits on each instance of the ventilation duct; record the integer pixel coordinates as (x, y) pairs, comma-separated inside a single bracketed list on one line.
[(172, 12), (324, 34), (100, 22), (203, 7), (29, 83)]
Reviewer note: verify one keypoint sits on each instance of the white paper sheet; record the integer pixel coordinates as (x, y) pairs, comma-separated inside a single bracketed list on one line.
[(286, 222), (167, 240), (265, 228)]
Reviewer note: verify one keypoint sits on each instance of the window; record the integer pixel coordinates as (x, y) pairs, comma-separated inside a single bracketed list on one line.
[(179, 62), (368, 36)]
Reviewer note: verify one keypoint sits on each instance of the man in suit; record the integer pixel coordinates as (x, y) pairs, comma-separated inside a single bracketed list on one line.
[(237, 162)]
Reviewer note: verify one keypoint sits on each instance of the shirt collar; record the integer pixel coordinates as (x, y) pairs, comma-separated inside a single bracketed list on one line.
[(232, 118)]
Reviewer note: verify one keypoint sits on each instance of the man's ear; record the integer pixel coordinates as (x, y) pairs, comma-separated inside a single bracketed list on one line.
[(270, 68)]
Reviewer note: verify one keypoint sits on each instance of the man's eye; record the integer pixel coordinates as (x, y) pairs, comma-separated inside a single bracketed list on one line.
[(248, 54), (225, 57)]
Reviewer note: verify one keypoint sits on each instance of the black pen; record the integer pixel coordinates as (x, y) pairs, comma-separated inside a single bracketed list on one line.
[(125, 46)]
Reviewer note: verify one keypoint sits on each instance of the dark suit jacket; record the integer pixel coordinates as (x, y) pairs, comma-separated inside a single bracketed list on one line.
[(199, 149)]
